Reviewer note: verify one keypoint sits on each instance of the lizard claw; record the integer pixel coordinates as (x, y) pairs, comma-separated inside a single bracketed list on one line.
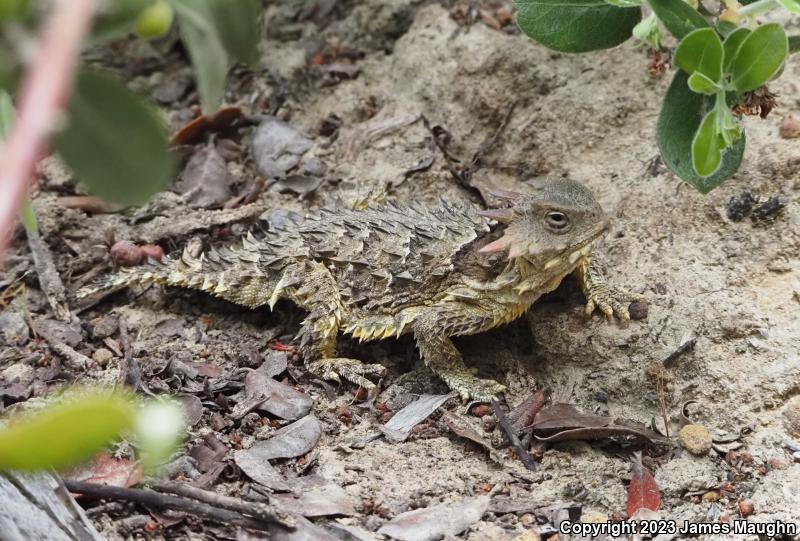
[(612, 301), (350, 369), (477, 389)]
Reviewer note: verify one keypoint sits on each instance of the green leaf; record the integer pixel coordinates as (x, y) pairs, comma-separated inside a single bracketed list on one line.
[(114, 141), (701, 84), (679, 17), (731, 45), (701, 50), (759, 57), (726, 28), (794, 44), (576, 26), (706, 147), (117, 18), (206, 50), (680, 118), (791, 5), (239, 28), (28, 217), (67, 432), (7, 114)]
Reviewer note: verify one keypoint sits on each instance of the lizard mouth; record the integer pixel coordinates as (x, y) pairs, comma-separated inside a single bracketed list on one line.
[(582, 248)]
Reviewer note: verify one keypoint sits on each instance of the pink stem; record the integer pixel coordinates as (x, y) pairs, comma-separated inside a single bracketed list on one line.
[(42, 97)]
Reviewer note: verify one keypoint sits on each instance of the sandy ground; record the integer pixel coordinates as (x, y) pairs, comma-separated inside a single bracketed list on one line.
[(735, 285)]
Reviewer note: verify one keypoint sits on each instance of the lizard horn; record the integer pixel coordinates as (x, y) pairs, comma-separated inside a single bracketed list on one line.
[(495, 246), (503, 216), (506, 195)]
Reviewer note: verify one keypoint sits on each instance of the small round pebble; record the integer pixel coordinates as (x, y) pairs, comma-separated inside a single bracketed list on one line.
[(638, 310), (791, 417), (695, 439), (101, 356), (746, 508), (790, 127)]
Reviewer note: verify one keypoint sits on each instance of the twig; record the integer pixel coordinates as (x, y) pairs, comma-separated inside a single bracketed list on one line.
[(49, 280), (42, 97), (73, 358), (158, 500), (502, 420), (687, 343), (463, 173), (258, 510)]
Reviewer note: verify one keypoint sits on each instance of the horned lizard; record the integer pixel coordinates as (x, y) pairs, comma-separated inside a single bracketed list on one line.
[(383, 272)]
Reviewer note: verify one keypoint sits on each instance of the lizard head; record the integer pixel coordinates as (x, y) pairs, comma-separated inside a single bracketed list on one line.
[(551, 228)]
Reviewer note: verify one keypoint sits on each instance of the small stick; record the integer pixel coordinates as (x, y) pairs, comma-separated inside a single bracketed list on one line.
[(49, 280), (258, 510), (158, 500), (502, 420)]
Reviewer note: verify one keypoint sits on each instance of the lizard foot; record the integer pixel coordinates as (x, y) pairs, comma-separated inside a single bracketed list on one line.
[(612, 301), (471, 388), (349, 369)]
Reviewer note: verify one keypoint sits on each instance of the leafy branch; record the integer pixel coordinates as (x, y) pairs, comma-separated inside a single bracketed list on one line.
[(721, 64)]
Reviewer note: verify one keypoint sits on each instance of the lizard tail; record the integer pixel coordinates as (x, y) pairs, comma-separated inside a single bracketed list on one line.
[(153, 272), (231, 274)]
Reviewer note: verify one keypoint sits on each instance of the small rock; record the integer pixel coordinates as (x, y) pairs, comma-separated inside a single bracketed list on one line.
[(740, 206), (790, 127), (695, 439), (18, 373), (594, 517), (638, 310), (769, 209), (103, 326), (791, 416), (102, 356), (14, 328), (481, 411), (711, 496), (746, 508)]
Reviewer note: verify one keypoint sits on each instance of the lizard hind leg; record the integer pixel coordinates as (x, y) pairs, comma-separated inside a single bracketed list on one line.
[(319, 295), (443, 358)]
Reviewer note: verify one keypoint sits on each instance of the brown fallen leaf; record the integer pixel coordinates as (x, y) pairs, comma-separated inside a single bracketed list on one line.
[(107, 470), (435, 522), (265, 394), (399, 426), (643, 490), (204, 181), (461, 427), (562, 422), (196, 130), (261, 471), (278, 147), (89, 204), (526, 411), (290, 441), (315, 496)]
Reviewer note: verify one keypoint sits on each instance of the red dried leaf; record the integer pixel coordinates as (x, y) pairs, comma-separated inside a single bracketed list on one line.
[(107, 470), (196, 130), (643, 491)]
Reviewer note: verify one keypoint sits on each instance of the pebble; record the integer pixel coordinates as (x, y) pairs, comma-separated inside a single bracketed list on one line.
[(101, 356), (695, 439), (711, 496), (791, 416), (18, 373), (14, 328), (790, 127), (638, 310), (746, 508)]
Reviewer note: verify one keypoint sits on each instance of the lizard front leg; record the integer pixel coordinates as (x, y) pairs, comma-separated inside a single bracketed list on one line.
[(443, 358), (319, 295), (611, 300)]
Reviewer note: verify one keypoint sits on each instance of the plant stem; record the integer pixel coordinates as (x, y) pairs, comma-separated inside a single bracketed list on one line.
[(757, 8), (43, 95)]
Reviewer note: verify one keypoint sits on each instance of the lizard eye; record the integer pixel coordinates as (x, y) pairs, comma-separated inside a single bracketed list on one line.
[(557, 221)]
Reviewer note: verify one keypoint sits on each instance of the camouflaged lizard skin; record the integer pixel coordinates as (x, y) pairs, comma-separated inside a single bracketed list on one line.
[(382, 272)]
